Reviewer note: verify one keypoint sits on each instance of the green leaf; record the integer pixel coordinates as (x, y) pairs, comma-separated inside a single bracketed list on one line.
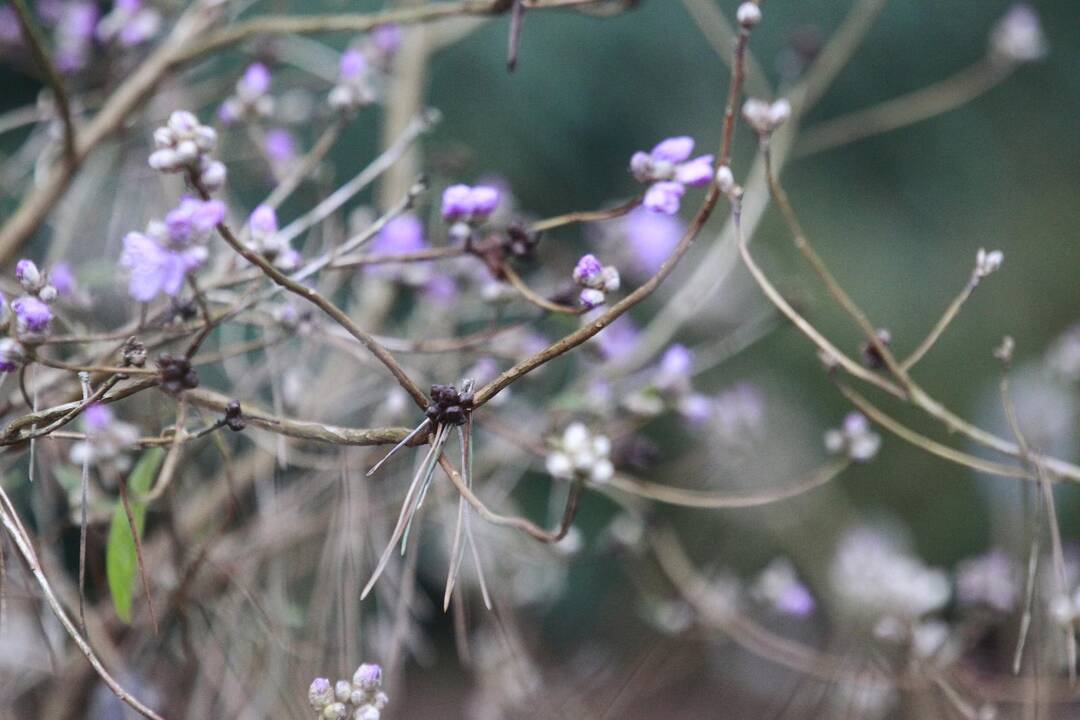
[(121, 563)]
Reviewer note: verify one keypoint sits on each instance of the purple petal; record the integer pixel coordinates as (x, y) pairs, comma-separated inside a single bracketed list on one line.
[(664, 197), (695, 173), (674, 149)]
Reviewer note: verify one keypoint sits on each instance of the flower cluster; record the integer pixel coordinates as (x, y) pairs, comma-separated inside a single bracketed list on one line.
[(161, 257), (361, 68), (107, 439), (579, 454), (874, 574), (361, 699), (670, 387), (252, 98), (987, 263), (466, 207), (449, 406), (263, 226), (129, 23), (854, 439), (991, 580), (780, 587), (184, 144), (670, 170), (596, 280), (33, 317), (764, 117), (1018, 36)]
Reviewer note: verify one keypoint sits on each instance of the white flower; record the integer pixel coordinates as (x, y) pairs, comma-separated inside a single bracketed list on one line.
[(748, 14), (854, 439), (580, 454)]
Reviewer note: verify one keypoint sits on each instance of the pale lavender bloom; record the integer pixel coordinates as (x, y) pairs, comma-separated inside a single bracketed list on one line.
[(591, 298), (254, 83), (154, 269), (1018, 36), (387, 39), (31, 314), (696, 408), (739, 410), (403, 234), (194, 219), (10, 31), (353, 65), (263, 221), (472, 204), (668, 166), (280, 145), (673, 372), (618, 339), (62, 278), (854, 439), (796, 601), (441, 289), (992, 579), (74, 36), (664, 197), (588, 271), (97, 417), (651, 238)]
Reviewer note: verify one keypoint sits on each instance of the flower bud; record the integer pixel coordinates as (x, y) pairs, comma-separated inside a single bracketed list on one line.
[(748, 14), (28, 275)]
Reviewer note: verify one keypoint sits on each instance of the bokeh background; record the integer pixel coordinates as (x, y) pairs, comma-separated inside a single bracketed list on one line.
[(898, 217)]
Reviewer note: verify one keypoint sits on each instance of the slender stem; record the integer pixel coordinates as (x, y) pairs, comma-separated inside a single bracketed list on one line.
[(26, 549), (942, 324), (585, 216), (34, 39), (908, 109), (535, 298)]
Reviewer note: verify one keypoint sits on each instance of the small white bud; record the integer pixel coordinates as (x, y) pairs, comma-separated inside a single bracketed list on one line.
[(342, 691), (764, 117), (1018, 37), (987, 263), (341, 97), (164, 160), (335, 711), (183, 123), (725, 179), (206, 138), (213, 177), (610, 279), (163, 137), (186, 151), (47, 293), (748, 14)]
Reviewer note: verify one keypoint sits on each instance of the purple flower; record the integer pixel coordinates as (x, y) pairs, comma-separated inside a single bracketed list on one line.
[(193, 219), (387, 39), (588, 271), (74, 36), (62, 278), (97, 417), (673, 150), (154, 269), (696, 408), (668, 166), (651, 237), (619, 338), (675, 366), (280, 145), (353, 65), (441, 289), (664, 197), (31, 314), (254, 83), (263, 221), (795, 600), (473, 204), (403, 234)]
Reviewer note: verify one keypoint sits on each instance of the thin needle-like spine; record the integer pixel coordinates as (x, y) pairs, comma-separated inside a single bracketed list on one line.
[(404, 441), (84, 484)]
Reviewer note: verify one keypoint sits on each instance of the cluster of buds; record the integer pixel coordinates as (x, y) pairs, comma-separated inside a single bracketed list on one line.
[(450, 406), (234, 416), (854, 439), (184, 144), (129, 23), (596, 280), (764, 117), (467, 207), (670, 169), (33, 318), (670, 387), (987, 262), (266, 241), (871, 355), (362, 67), (251, 100), (107, 439), (177, 374), (580, 455), (361, 699)]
